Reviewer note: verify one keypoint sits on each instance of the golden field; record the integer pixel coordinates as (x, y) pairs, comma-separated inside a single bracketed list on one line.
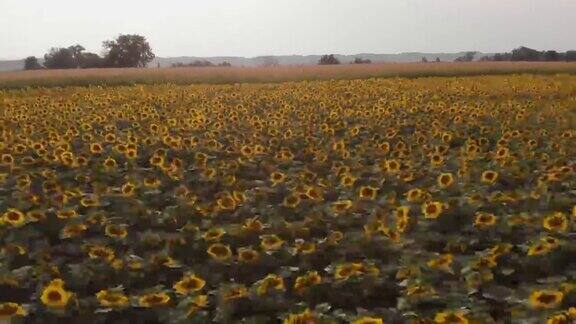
[(427, 200), (226, 75)]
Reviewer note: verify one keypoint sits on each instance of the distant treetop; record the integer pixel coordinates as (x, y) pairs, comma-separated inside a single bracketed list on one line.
[(124, 51), (128, 51), (328, 60), (523, 53)]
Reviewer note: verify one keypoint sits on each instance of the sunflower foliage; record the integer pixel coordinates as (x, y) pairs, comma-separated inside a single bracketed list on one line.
[(432, 200)]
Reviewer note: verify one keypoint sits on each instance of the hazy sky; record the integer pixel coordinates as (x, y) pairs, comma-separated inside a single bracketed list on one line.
[(259, 27)]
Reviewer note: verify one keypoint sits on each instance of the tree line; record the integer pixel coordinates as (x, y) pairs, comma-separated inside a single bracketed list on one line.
[(124, 51), (519, 54), (330, 59), (528, 54)]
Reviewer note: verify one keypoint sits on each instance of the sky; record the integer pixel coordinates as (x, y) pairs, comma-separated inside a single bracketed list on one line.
[(282, 27)]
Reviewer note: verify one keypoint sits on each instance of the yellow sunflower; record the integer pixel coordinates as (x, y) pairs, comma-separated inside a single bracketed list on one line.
[(445, 180), (271, 242), (13, 217), (489, 177), (271, 282), (113, 299), (189, 284), (557, 222), (116, 231), (306, 317), (539, 248), (219, 252), (368, 320), (442, 262), (545, 298), (154, 300), (54, 295), (484, 220), (247, 255), (432, 209), (9, 310), (451, 317), (368, 192)]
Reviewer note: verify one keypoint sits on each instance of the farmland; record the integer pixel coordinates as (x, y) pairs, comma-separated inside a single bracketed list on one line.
[(275, 74), (399, 200)]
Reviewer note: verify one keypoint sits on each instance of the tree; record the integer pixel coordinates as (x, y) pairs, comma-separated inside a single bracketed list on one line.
[(360, 60), (201, 63), (31, 63), (90, 60), (328, 60), (525, 54), (570, 56), (501, 57), (59, 58), (437, 60), (424, 59), (551, 56), (467, 57), (128, 51), (76, 51)]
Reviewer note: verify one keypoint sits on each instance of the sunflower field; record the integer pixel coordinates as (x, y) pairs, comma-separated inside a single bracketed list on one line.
[(430, 200)]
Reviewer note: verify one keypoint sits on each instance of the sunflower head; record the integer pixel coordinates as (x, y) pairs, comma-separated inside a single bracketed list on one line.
[(432, 209), (235, 292), (54, 295), (489, 177), (445, 180), (368, 320), (247, 255), (368, 193), (116, 231), (304, 317), (291, 201), (557, 222), (271, 282), (415, 195), (214, 234), (442, 262), (219, 252), (111, 298), (9, 310), (451, 317), (545, 298), (154, 300), (271, 242), (189, 284), (13, 217), (309, 279), (339, 207), (277, 178), (484, 220)]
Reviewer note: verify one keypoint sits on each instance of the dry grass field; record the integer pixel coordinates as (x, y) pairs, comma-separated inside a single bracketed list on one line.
[(223, 75)]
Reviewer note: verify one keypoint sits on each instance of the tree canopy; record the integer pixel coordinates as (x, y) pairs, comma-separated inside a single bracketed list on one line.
[(328, 60), (128, 51), (31, 63), (468, 57), (523, 53), (124, 51)]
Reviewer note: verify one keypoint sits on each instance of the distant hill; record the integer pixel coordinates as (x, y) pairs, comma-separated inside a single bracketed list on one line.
[(310, 59), (11, 65), (14, 65)]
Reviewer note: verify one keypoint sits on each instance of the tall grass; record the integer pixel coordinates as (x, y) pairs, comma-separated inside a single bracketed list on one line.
[(221, 75)]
